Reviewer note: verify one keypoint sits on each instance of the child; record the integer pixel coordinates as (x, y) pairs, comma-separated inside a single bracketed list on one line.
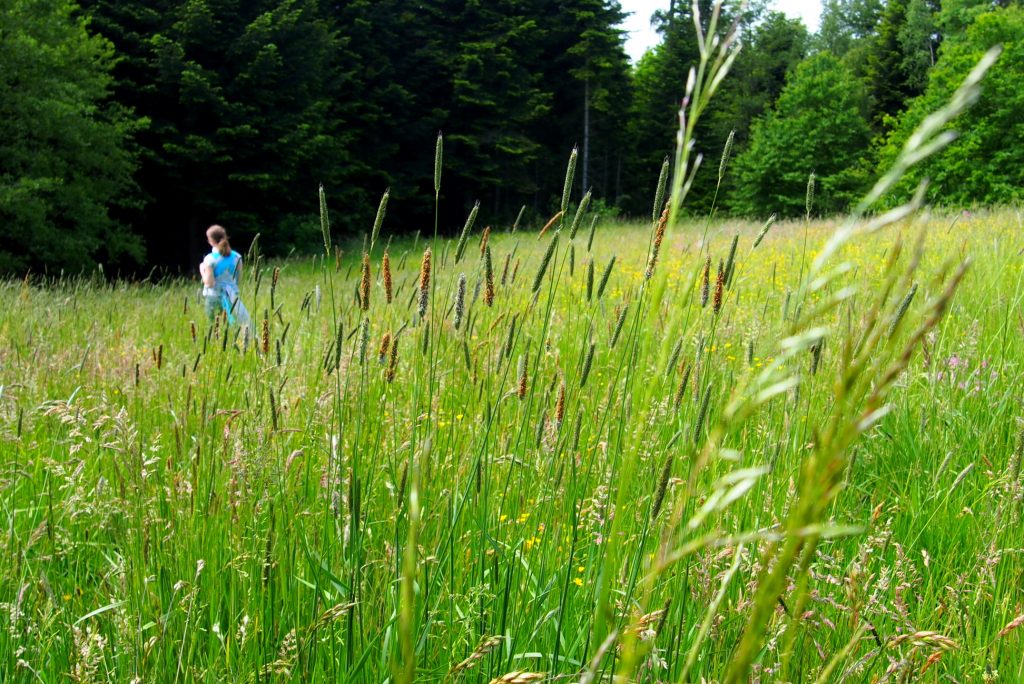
[(221, 270)]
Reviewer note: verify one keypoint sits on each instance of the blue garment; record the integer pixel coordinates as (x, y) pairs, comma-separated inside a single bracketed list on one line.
[(225, 286)]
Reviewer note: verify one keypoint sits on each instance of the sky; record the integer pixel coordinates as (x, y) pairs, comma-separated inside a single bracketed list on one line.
[(642, 36)]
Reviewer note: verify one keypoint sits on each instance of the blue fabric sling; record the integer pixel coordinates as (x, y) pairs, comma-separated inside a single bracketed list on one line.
[(224, 269)]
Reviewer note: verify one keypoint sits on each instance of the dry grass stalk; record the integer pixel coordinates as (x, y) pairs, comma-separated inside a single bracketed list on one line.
[(516, 677), (1012, 625), (487, 644), (924, 638), (550, 223)]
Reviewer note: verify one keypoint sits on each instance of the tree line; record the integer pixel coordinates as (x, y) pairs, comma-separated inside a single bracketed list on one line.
[(127, 127)]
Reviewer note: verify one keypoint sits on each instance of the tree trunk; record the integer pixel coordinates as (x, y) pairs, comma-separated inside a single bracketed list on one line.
[(586, 135)]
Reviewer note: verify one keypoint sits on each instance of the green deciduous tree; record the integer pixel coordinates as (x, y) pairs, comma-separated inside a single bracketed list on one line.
[(819, 125), (66, 159), (985, 164)]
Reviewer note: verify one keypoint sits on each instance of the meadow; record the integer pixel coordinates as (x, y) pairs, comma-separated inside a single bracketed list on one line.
[(672, 451), (534, 459)]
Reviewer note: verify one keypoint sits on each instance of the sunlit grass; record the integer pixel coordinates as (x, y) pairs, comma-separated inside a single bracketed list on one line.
[(187, 507)]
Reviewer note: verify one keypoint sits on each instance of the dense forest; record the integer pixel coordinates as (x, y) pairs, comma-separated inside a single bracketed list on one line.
[(127, 127)]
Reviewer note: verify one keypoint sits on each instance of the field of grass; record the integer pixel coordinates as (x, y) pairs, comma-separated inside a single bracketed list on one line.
[(537, 460)]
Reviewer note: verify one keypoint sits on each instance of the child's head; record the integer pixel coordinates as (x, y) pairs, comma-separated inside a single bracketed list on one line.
[(218, 239)]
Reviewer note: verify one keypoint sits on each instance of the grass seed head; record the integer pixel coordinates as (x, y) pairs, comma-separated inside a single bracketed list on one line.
[(364, 284), (538, 279), (705, 282), (517, 677), (325, 222), (488, 277), (560, 405), (681, 388), (587, 363), (716, 302), (726, 153), (590, 278), (659, 193), (385, 267), (460, 301), (730, 262), (659, 494), (484, 238), (659, 235), (378, 221), (424, 282), (580, 211), (438, 158), (619, 323), (570, 173), (393, 362), (364, 340), (764, 230), (521, 386), (605, 276), (702, 415), (460, 249)]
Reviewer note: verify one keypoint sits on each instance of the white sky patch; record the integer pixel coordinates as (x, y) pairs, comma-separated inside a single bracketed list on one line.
[(641, 36)]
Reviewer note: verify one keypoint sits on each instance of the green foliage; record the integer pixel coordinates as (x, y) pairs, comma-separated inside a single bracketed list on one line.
[(985, 164), (66, 148), (919, 43), (772, 46), (847, 28), (243, 100), (819, 126)]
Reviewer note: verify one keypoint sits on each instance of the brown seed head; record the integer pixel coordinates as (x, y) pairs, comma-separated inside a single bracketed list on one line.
[(483, 239), (393, 364), (385, 267), (550, 223), (659, 235), (364, 284), (425, 282), (560, 405), (719, 287), (488, 278)]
